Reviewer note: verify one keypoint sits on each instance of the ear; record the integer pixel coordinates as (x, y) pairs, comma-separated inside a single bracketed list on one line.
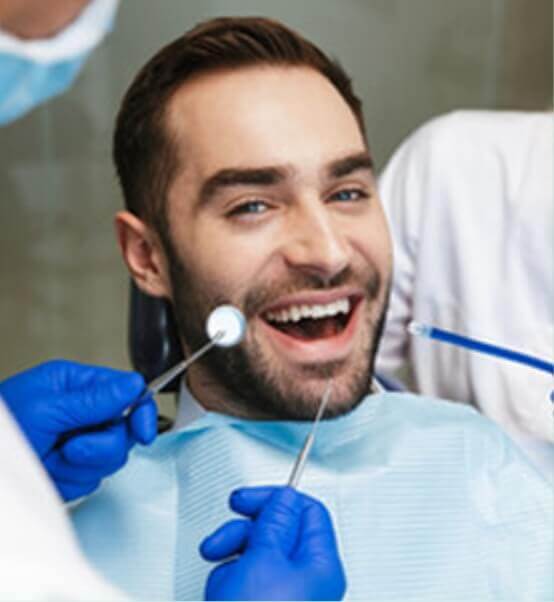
[(143, 254)]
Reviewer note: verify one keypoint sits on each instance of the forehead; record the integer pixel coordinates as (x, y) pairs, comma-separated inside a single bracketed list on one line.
[(261, 116)]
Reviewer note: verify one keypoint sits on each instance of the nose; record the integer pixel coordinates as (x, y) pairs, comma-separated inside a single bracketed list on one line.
[(315, 243)]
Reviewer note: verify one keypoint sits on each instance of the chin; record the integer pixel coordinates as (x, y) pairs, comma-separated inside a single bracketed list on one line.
[(271, 387), (347, 392)]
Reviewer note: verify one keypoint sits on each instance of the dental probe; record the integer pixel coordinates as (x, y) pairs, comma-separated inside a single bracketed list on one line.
[(226, 326), (298, 467), (445, 336)]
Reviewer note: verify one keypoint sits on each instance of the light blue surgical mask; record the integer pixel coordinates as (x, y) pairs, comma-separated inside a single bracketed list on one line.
[(32, 72)]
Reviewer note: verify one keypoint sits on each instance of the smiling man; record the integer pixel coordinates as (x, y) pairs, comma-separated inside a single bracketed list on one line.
[(273, 208), (248, 180)]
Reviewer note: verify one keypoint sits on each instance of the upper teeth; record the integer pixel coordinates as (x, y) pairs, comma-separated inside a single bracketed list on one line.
[(294, 313)]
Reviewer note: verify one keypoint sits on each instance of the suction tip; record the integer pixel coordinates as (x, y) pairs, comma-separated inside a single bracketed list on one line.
[(418, 329), (226, 326)]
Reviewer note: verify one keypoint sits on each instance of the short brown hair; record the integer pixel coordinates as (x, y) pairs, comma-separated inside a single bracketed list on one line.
[(144, 154)]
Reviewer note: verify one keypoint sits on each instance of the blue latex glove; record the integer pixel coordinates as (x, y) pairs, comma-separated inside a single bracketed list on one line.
[(53, 400), (287, 549)]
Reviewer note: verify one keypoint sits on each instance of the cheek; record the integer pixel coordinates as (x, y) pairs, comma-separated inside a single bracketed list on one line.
[(372, 243), (230, 264)]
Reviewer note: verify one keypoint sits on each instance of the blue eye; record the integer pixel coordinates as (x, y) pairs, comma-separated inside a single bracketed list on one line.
[(250, 208), (349, 194)]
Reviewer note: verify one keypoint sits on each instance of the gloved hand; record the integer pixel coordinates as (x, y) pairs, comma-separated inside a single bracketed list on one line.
[(52, 400), (287, 551)]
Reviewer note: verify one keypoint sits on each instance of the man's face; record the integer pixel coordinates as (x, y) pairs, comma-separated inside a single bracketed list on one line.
[(275, 210)]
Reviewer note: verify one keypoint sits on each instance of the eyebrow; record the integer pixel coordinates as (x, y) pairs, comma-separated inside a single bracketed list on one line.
[(227, 178), (347, 165), (271, 176)]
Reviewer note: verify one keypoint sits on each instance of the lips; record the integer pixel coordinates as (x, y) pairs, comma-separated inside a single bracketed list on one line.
[(314, 327)]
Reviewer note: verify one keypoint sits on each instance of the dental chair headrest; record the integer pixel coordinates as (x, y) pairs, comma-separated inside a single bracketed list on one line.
[(153, 343)]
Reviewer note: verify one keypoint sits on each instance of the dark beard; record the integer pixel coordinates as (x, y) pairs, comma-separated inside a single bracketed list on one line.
[(249, 382), (244, 373)]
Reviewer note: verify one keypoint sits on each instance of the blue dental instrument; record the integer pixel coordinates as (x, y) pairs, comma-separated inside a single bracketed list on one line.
[(445, 336)]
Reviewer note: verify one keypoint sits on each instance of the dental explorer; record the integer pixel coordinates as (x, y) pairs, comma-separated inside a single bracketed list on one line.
[(302, 457)]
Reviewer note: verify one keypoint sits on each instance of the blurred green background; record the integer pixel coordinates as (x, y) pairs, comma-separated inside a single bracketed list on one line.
[(64, 286)]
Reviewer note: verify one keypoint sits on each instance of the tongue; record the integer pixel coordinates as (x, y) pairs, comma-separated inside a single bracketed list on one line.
[(312, 329)]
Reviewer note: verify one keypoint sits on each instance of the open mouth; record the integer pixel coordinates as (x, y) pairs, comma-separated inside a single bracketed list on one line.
[(314, 321)]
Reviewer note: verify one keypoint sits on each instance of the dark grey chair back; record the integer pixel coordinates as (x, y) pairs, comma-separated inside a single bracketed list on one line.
[(154, 346)]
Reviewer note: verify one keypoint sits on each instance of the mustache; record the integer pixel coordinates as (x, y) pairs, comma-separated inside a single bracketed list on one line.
[(257, 298)]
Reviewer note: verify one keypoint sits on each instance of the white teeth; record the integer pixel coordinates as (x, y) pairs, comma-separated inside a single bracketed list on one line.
[(320, 311), (294, 313)]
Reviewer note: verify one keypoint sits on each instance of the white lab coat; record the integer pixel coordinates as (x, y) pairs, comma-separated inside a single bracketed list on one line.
[(39, 556), (470, 205)]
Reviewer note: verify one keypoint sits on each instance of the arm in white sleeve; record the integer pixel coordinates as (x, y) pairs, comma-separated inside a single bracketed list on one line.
[(469, 200), (404, 186), (39, 556)]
